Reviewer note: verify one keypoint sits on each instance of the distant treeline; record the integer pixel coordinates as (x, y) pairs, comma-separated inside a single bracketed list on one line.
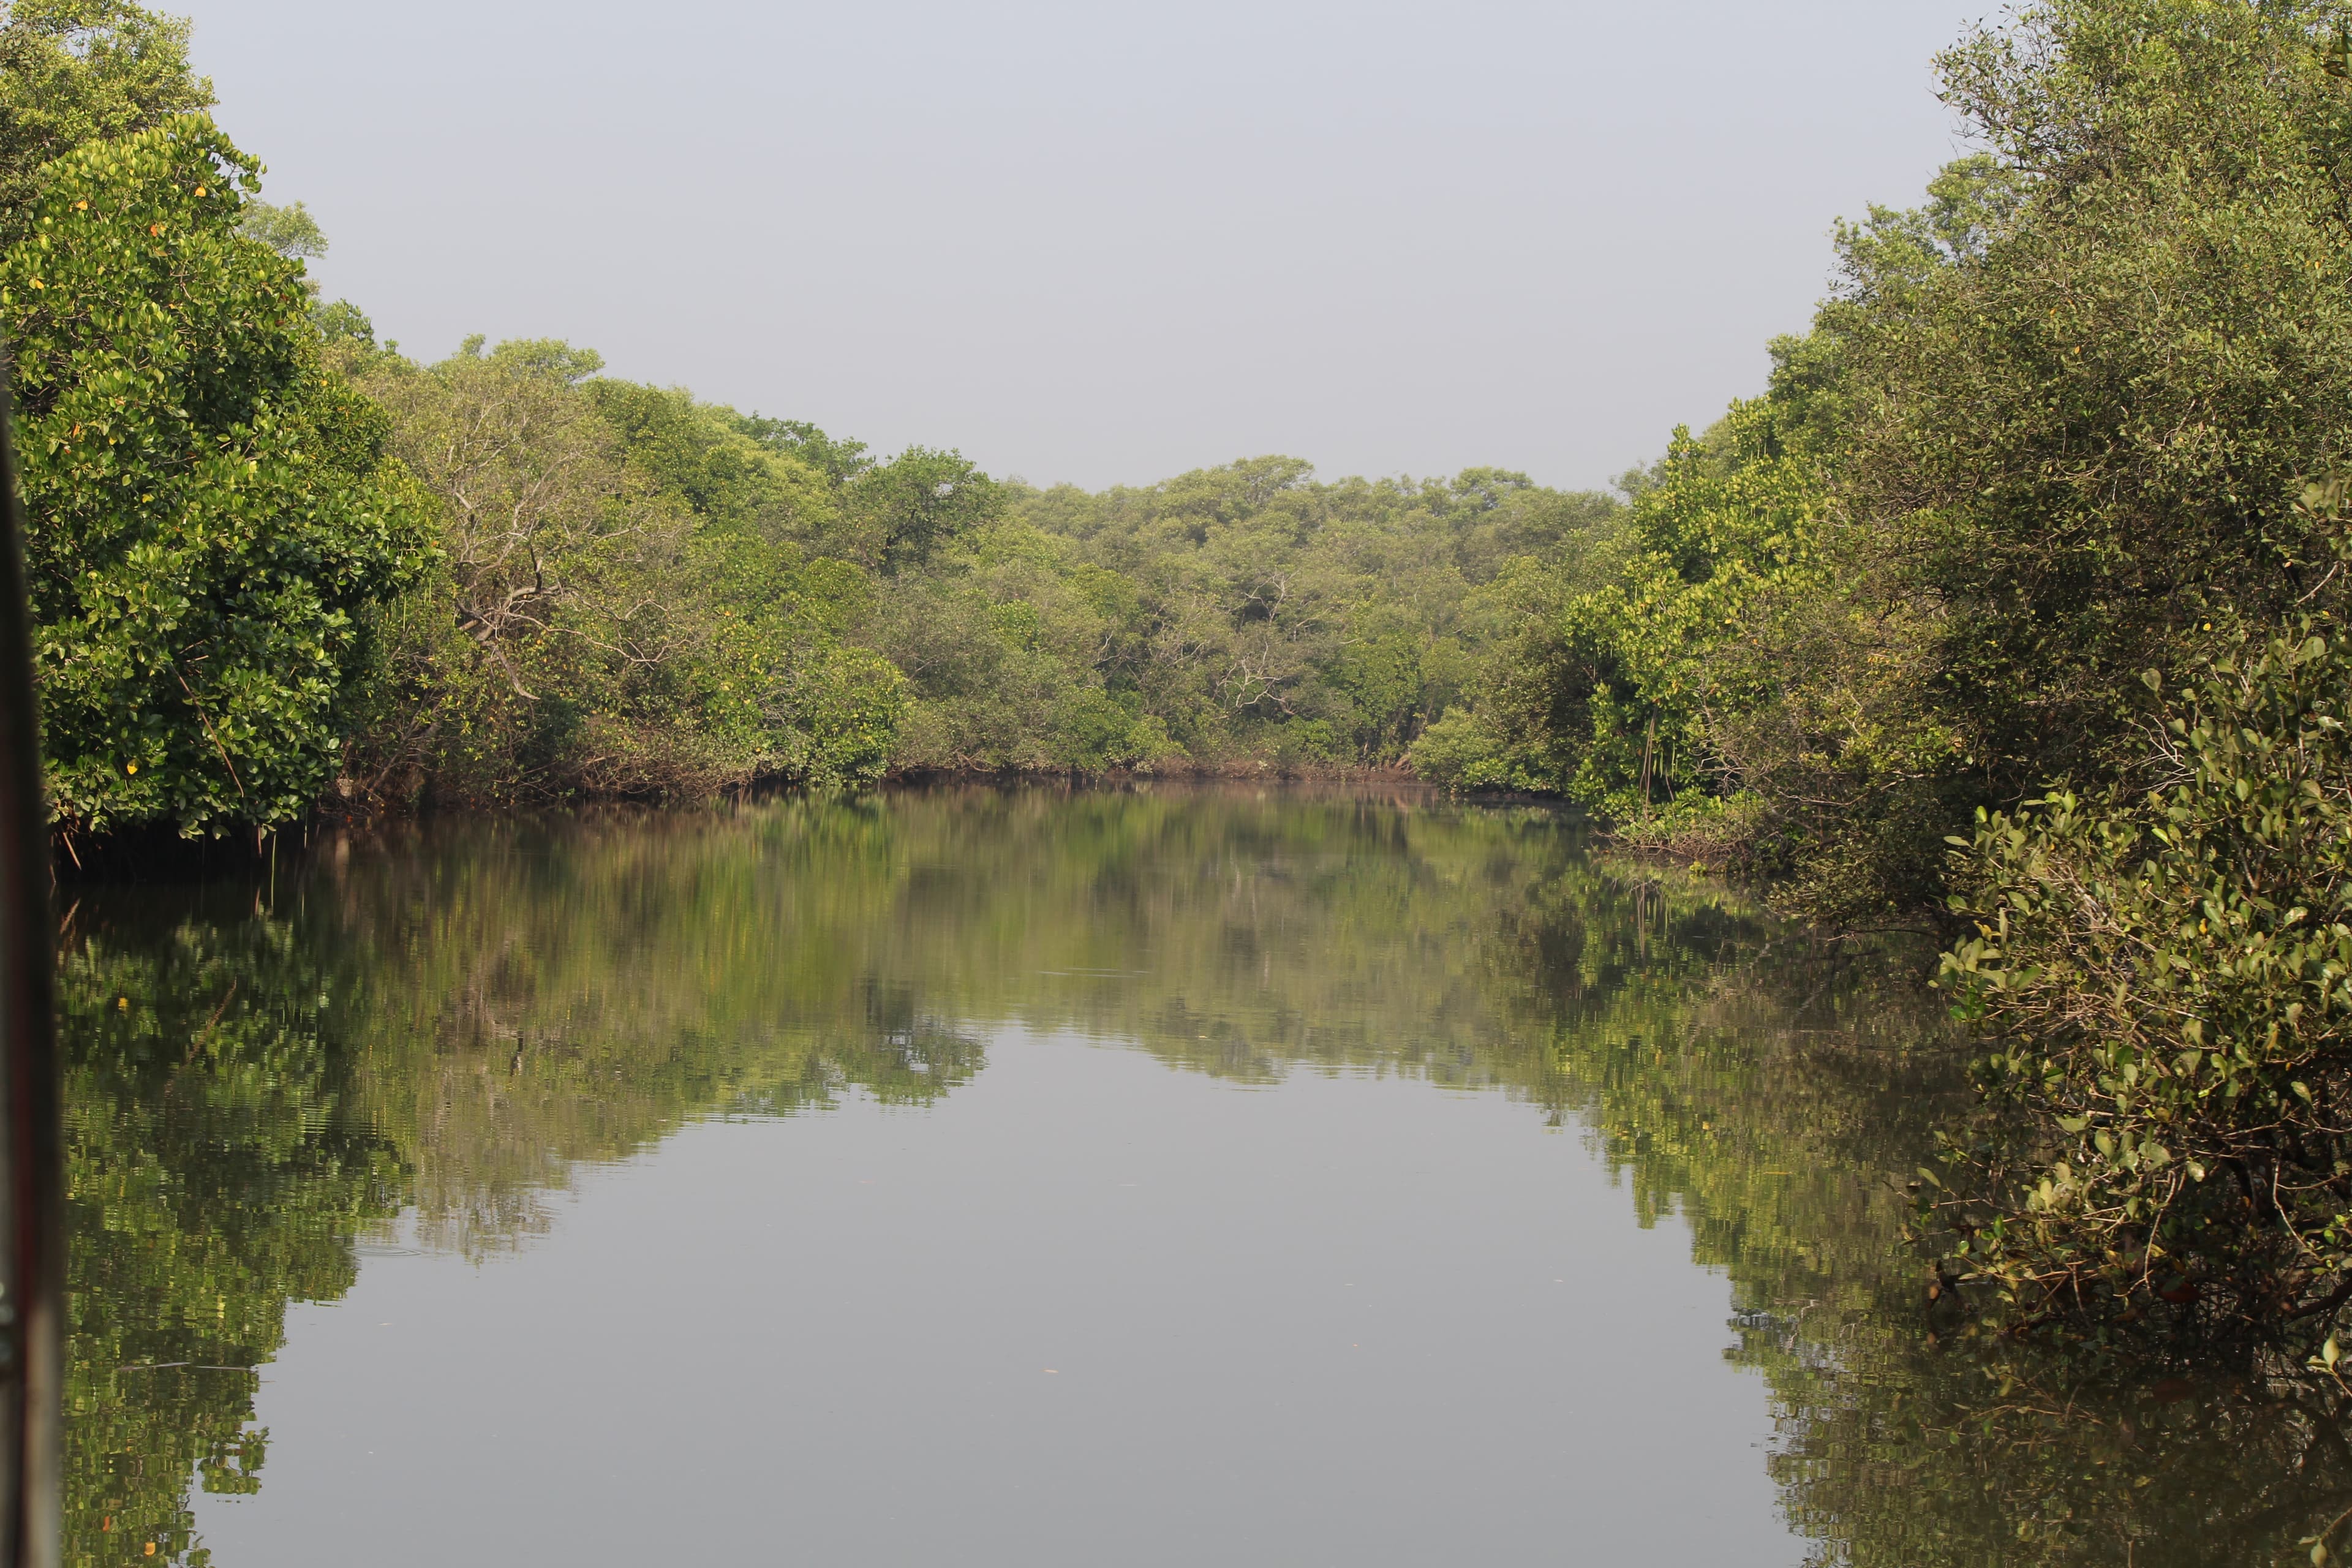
[(278, 563), (628, 592)]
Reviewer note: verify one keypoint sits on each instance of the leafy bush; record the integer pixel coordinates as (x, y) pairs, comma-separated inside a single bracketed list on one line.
[(2170, 974)]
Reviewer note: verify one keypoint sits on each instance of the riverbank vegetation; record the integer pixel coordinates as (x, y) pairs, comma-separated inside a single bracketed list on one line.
[(2013, 607), (2010, 610)]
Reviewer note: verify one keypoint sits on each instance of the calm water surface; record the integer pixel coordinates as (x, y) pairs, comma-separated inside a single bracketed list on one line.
[(1166, 1177)]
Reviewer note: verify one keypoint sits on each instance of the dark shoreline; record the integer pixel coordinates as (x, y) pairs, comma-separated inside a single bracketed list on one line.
[(159, 853)]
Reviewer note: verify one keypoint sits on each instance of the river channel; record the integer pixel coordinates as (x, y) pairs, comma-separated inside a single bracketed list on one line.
[(1162, 1176)]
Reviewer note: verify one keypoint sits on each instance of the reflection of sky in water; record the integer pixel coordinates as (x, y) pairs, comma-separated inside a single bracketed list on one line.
[(1085, 1310)]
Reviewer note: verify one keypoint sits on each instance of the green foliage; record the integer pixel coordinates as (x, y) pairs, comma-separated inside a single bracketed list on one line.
[(1251, 616), (77, 71), (905, 510), (2051, 428), (2169, 973), (624, 606), (2096, 440), (289, 231), (702, 455), (2074, 440), (210, 512), (1617, 688), (345, 323), (2045, 424), (997, 637), (838, 460)]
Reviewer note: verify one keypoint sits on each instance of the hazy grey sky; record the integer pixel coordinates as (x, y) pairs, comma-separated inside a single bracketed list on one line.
[(1105, 242)]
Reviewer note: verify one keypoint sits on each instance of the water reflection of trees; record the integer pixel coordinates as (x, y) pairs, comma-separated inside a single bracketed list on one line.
[(217, 1167), (452, 1021), (1777, 1097)]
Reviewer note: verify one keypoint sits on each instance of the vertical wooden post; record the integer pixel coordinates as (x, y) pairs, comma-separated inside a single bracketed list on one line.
[(32, 1172)]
